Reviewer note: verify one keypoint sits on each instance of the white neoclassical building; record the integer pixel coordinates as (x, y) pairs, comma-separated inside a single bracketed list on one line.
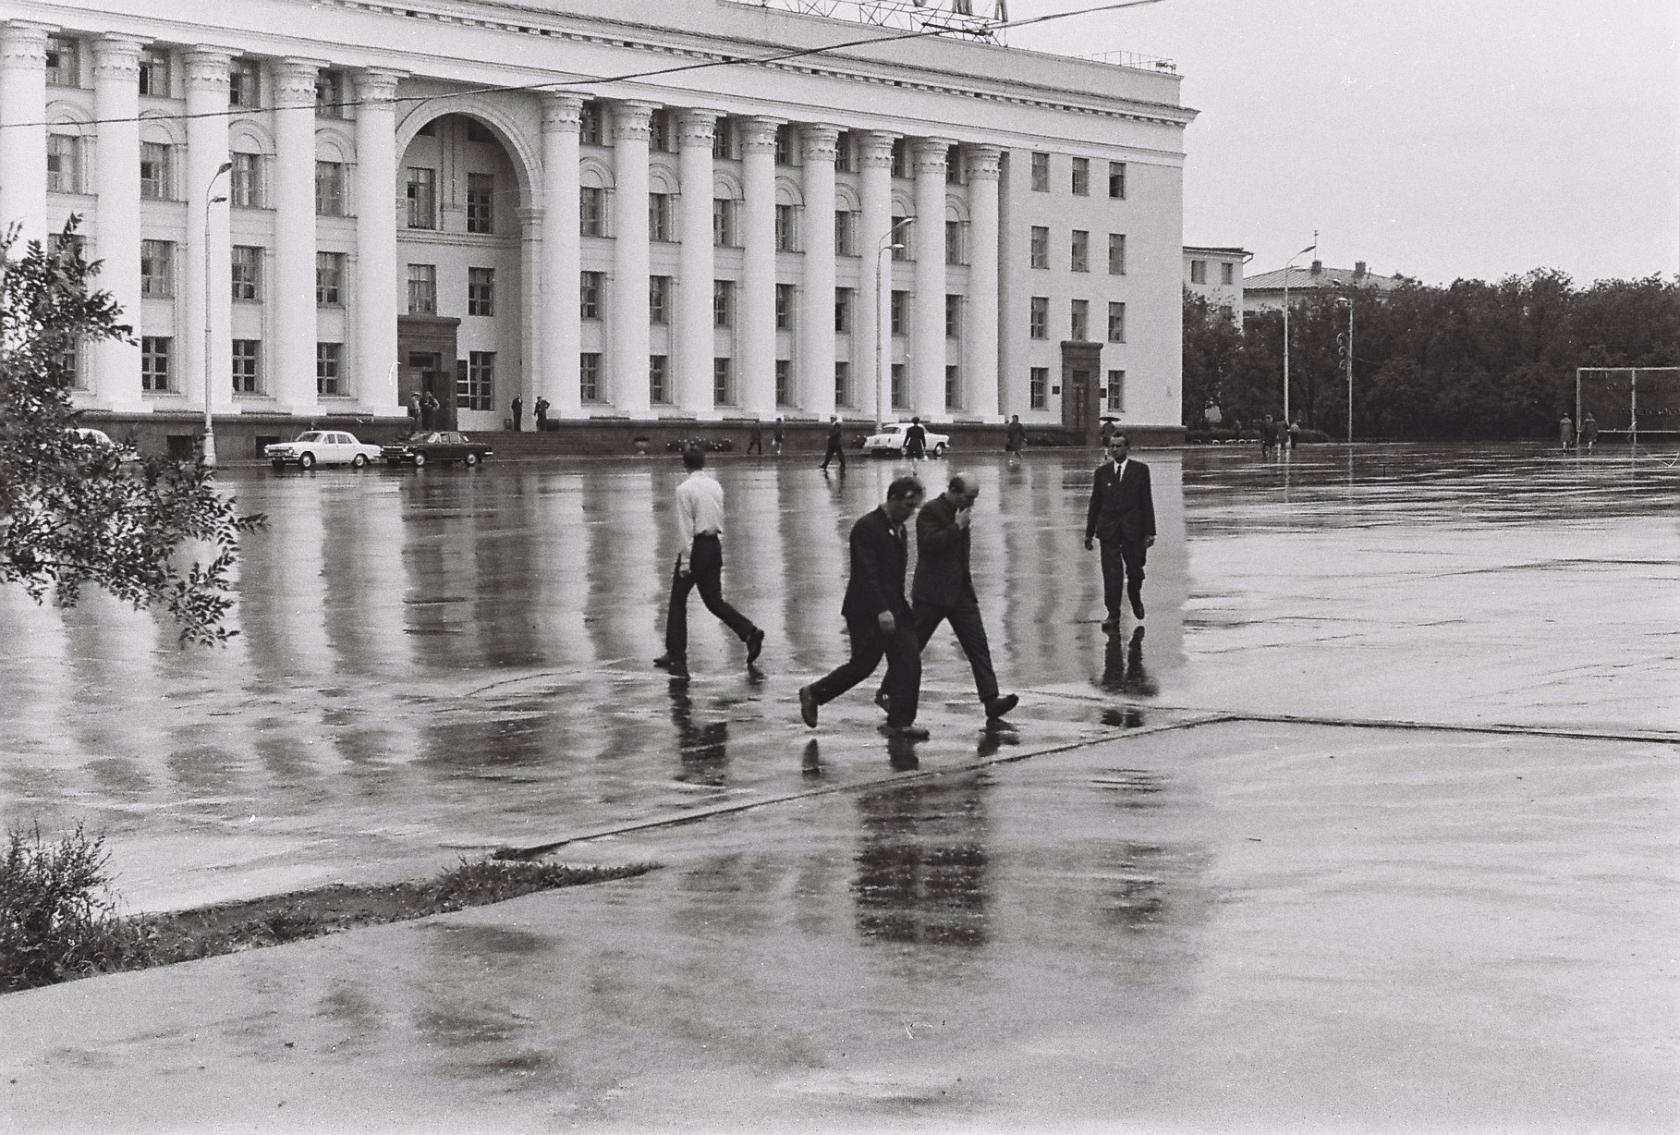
[(341, 202)]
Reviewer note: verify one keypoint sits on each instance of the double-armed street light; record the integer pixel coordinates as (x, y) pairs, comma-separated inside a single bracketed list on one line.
[(1287, 268), (207, 452), (1344, 344), (883, 318)]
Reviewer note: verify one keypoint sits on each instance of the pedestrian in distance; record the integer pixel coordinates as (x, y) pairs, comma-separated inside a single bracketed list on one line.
[(755, 439), (429, 406), (1566, 432), (1294, 434), (413, 412), (915, 440), (877, 616), (776, 438), (1015, 438), (699, 515), (943, 589), (1106, 433), (1121, 516), (1268, 436), (1589, 431), (542, 414), (836, 445), (518, 408)]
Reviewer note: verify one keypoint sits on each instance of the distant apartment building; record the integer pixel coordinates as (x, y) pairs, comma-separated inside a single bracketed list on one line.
[(1216, 275), (1265, 291)]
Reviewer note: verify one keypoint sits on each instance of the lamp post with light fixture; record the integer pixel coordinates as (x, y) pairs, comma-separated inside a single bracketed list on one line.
[(207, 450), (1287, 268), (883, 320)]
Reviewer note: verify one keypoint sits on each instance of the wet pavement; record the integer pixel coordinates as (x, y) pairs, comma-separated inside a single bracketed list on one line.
[(1206, 880)]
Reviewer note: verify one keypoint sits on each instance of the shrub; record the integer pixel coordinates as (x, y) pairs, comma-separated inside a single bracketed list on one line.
[(56, 911)]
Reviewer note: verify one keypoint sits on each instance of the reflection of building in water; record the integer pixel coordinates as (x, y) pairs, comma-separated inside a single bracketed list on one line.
[(922, 865)]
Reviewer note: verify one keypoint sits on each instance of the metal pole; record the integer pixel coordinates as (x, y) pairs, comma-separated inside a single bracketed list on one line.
[(1350, 373), (207, 452), (883, 318), (1287, 268)]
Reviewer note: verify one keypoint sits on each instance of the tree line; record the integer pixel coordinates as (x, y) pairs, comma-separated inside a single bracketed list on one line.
[(1471, 360)]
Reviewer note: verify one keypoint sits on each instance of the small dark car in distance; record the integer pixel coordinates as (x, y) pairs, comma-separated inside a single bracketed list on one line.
[(435, 445)]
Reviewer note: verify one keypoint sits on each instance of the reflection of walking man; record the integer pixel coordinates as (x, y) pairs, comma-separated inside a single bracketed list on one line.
[(836, 448), (1122, 516), (944, 589), (878, 616), (699, 509)]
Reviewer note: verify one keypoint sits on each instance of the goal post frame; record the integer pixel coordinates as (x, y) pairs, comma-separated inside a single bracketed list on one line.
[(1633, 393)]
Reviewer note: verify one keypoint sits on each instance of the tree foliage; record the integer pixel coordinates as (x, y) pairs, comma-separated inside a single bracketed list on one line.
[(1470, 360), (157, 533)]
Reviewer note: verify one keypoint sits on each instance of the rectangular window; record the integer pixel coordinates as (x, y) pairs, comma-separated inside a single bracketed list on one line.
[(1117, 391), (953, 317), (898, 310), (247, 272), (1116, 323), (901, 157), (659, 385), (481, 291), (660, 225), (723, 222), (901, 242), (329, 358), (845, 160), (63, 67), (786, 145), (1116, 254), (154, 72), (1038, 320), (245, 189), (956, 243), (723, 303), (1040, 172), (154, 363), (1117, 180), (787, 229), (329, 279), (900, 397), (242, 83), (329, 95), (1080, 325), (422, 197), (1081, 177), (422, 289), (842, 383), (784, 382), (953, 380), (660, 134), (1040, 247), (1079, 251), (475, 385), (589, 124), (784, 307), (592, 211), (1227, 274), (723, 384), (247, 364), (845, 233), (156, 183), (953, 166), (481, 203), (722, 136), (589, 376), (157, 268), (1198, 271), (329, 189), (64, 164), (843, 310), (58, 244), (1038, 387), (590, 287), (659, 299)]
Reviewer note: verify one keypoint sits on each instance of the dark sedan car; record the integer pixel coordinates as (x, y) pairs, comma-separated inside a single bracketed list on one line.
[(435, 445)]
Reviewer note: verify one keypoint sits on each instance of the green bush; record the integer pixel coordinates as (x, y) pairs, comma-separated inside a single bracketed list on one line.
[(56, 911)]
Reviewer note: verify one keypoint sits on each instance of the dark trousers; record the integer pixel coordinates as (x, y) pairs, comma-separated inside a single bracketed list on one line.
[(834, 450), (755, 444), (904, 667), (705, 571), (1122, 569), (518, 420), (971, 636)]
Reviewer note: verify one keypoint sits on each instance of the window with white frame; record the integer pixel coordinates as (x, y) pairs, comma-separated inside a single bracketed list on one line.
[(901, 158), (329, 363), (63, 62), (722, 140), (953, 384), (421, 194), (590, 130), (481, 203), (154, 363), (1040, 172), (157, 268), (1116, 323), (900, 396), (1116, 254), (329, 189), (661, 225), (1117, 180), (329, 279), (247, 366), (1039, 248), (784, 382), (787, 145), (64, 163), (156, 172), (1117, 391), (723, 382), (245, 190), (784, 307), (842, 383), (723, 303), (843, 310), (475, 387), (787, 229), (904, 231), (589, 376), (659, 299), (243, 83), (1038, 317), (659, 379), (1038, 387), (953, 316), (1079, 326), (592, 211), (154, 72), (1081, 177), (723, 222), (481, 291), (845, 153), (898, 310), (422, 289), (661, 138), (845, 233), (247, 272), (1198, 271), (591, 285), (330, 101), (1079, 251), (1227, 274), (956, 242)]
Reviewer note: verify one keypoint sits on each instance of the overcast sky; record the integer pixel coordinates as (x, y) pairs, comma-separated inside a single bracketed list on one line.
[(1438, 138)]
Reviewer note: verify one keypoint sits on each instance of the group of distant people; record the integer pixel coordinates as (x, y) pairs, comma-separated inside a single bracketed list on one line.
[(1588, 437), (882, 620)]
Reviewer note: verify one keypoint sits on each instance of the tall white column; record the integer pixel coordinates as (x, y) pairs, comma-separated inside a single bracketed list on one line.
[(757, 338), (875, 160), (695, 264), (817, 145), (927, 318), (23, 137), (533, 361), (377, 285), (207, 151), (116, 98), (562, 335), (980, 337), (1013, 243), (628, 292), (293, 352)]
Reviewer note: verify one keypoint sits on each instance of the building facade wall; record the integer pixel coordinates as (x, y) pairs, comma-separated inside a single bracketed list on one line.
[(1216, 275), (456, 89)]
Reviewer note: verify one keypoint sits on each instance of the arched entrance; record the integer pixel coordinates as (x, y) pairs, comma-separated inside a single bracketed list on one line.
[(463, 187)]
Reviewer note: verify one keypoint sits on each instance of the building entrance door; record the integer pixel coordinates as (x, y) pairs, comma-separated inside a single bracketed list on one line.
[(426, 350), (1081, 411)]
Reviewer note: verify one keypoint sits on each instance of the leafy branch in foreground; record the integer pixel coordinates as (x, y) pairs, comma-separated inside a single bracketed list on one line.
[(155, 534)]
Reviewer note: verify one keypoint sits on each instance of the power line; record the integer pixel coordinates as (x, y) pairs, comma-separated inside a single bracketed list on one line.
[(629, 76)]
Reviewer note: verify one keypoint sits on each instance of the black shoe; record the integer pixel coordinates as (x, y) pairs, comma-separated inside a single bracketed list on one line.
[(1137, 604), (808, 706), (883, 700), (1111, 624), (755, 645), (675, 663), (906, 732), (997, 707)]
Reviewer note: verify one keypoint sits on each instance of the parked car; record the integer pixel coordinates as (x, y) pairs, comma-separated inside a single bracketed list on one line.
[(321, 447), (891, 440), (436, 445), (101, 441)]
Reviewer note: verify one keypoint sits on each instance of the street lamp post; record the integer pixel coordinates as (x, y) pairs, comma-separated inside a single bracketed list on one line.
[(1287, 268), (207, 451), (1347, 361), (883, 320)]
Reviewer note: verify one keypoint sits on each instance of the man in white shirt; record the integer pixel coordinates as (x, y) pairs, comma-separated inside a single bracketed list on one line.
[(699, 509)]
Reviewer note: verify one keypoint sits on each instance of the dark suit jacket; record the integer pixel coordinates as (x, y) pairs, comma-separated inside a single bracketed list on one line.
[(1122, 508), (879, 559), (942, 577)]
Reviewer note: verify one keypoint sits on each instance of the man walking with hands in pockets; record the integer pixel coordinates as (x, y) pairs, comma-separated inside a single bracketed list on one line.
[(1122, 517), (699, 509)]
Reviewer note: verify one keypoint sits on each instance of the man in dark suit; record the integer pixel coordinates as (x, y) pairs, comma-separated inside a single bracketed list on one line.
[(836, 445), (1122, 517), (943, 590), (878, 616)]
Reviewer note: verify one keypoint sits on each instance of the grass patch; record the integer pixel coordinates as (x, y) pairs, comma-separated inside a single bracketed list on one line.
[(58, 920)]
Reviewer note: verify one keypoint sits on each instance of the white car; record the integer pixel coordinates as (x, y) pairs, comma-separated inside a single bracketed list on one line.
[(100, 440), (891, 440), (321, 447)]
